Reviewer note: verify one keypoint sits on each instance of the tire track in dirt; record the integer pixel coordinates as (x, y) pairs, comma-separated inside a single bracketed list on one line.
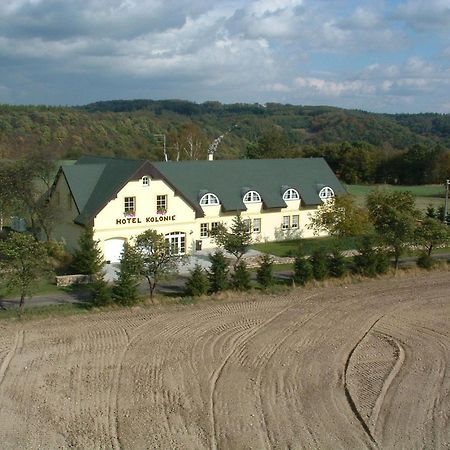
[(386, 385), (350, 400), (234, 349), (17, 346)]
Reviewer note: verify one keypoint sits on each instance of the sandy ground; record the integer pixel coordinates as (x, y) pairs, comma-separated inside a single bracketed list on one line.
[(351, 367)]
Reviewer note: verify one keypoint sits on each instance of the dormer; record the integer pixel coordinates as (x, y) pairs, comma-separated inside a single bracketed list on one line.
[(251, 197), (208, 199), (289, 193)]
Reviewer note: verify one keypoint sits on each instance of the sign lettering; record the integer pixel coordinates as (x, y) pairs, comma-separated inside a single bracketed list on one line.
[(153, 219)]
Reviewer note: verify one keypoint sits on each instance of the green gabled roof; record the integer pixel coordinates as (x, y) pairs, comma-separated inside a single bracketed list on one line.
[(228, 179), (82, 180), (95, 180)]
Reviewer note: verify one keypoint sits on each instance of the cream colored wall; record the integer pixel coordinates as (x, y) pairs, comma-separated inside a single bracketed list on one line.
[(271, 222), (105, 226), (65, 230)]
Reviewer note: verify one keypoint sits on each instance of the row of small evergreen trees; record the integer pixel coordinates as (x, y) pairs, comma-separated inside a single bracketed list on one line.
[(323, 263)]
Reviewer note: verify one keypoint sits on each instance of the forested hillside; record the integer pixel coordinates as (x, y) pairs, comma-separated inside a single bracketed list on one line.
[(360, 146)]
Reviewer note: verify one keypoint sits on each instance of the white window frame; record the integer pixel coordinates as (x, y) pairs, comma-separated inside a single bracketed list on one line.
[(214, 225), (145, 181), (286, 223), (129, 205), (257, 225), (295, 221), (251, 197), (204, 230), (161, 202), (209, 199), (325, 193), (291, 194)]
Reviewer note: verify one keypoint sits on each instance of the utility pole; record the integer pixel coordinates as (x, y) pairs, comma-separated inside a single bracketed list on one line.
[(163, 137), (447, 186)]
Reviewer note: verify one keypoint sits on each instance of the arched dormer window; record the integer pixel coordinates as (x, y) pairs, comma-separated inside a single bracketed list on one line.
[(326, 192), (291, 194), (209, 199), (145, 181), (251, 197)]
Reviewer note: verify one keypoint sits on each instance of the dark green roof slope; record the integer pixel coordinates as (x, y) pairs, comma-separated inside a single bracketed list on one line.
[(95, 180), (230, 179)]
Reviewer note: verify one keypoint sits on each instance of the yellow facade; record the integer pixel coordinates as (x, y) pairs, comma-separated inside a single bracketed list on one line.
[(112, 226)]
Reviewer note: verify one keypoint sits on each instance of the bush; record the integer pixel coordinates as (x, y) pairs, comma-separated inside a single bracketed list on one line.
[(87, 259), (101, 292), (198, 283), (218, 273), (264, 273), (383, 262), (319, 263), (337, 266), (302, 270), (425, 261), (240, 278), (370, 261), (125, 290)]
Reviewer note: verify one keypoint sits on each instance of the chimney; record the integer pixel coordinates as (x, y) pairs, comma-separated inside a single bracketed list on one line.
[(210, 156)]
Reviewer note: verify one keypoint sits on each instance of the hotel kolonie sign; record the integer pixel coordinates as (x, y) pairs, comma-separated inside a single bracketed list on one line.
[(152, 219)]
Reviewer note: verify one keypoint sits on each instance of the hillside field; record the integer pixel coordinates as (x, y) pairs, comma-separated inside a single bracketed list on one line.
[(357, 366), (430, 194)]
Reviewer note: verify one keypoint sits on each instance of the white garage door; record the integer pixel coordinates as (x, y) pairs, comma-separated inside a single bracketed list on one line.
[(113, 249)]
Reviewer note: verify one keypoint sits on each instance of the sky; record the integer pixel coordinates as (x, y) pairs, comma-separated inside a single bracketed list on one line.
[(382, 56)]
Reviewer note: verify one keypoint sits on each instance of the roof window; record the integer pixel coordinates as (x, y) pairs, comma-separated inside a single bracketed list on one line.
[(209, 199), (291, 194), (145, 181), (326, 192), (251, 197)]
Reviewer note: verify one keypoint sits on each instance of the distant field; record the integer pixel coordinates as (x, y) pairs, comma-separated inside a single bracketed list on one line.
[(425, 195)]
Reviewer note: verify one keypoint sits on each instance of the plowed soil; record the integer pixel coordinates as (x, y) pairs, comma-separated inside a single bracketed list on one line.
[(352, 367)]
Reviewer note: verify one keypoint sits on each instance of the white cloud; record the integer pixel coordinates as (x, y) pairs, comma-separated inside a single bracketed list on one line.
[(425, 15), (335, 88)]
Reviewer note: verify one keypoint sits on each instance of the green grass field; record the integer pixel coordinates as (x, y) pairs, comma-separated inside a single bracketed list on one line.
[(425, 195), (289, 248)]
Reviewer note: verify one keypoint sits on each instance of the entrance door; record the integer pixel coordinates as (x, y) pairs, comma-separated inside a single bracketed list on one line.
[(113, 249), (177, 242)]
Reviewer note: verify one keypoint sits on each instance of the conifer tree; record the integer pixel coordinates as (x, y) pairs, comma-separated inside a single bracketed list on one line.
[(337, 267), (240, 278), (319, 263), (302, 269), (264, 273), (218, 272), (87, 259), (125, 290), (198, 283)]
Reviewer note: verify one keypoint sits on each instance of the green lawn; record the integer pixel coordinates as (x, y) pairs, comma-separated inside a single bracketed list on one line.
[(425, 195), (44, 287), (289, 248)]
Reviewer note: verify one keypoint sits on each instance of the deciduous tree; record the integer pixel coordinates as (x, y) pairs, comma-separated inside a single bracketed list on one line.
[(23, 263), (236, 241), (157, 260)]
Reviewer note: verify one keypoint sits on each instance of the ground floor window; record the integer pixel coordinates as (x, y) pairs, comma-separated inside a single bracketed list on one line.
[(177, 242), (257, 225), (295, 222), (286, 222), (214, 225), (248, 224)]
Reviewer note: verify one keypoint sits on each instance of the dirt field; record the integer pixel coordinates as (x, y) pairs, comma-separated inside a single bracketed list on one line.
[(353, 367)]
